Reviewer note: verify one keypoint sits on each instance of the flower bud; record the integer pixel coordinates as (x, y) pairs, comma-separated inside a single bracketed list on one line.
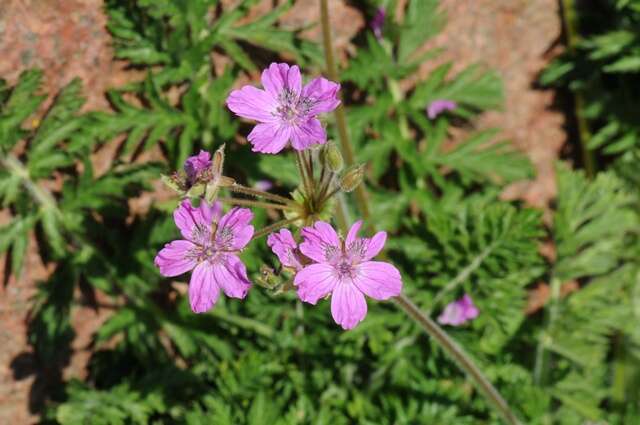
[(332, 158), (352, 178)]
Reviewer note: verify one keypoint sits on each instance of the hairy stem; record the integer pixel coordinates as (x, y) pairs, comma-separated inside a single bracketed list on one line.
[(341, 123), (303, 175), (259, 193), (273, 227), (458, 354), (258, 204), (541, 368)]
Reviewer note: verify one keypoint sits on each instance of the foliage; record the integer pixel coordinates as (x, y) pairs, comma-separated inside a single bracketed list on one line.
[(270, 359)]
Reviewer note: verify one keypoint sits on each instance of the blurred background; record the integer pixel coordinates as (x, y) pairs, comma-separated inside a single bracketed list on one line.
[(82, 307)]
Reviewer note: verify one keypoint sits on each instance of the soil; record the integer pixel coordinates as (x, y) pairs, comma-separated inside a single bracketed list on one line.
[(67, 39)]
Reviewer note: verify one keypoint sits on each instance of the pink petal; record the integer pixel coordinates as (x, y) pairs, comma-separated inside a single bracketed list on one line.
[(378, 280), (283, 245), (315, 281), (252, 103), (280, 76), (353, 233), (174, 259), (375, 245), (269, 138), (231, 276), (321, 242), (195, 223), (322, 94), (308, 134), (348, 306), (203, 290), (234, 230), (452, 315)]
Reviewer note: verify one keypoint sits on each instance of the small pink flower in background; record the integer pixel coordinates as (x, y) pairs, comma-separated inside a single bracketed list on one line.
[(377, 22), (209, 248), (195, 165), (263, 185), (285, 110), (437, 107), (284, 246), (459, 312), (344, 269)]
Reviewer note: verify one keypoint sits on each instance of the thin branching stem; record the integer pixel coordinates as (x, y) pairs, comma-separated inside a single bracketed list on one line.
[(259, 193), (273, 227), (341, 122), (258, 204), (303, 174)]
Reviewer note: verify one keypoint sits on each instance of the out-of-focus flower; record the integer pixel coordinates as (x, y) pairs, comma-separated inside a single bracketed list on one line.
[(195, 165), (377, 22), (344, 269), (285, 110), (209, 248), (284, 246), (439, 106), (459, 312), (263, 185)]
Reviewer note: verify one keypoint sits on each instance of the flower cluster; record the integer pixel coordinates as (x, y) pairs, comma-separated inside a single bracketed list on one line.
[(324, 264)]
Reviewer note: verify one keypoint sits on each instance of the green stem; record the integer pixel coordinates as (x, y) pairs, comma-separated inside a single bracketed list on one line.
[(303, 175), (462, 358), (341, 122), (258, 193), (570, 23), (258, 204), (273, 227), (42, 196)]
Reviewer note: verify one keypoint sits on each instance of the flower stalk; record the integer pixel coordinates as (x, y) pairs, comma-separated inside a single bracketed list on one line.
[(425, 322)]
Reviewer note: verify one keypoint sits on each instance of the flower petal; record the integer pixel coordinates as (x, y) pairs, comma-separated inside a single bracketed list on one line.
[(195, 223), (315, 281), (283, 245), (231, 276), (308, 134), (322, 95), (269, 138), (173, 259), (234, 231), (252, 103), (348, 306), (279, 76), (352, 236), (203, 290), (374, 245), (321, 242), (452, 315), (378, 280)]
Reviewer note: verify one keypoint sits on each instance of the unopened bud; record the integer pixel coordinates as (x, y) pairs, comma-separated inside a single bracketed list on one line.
[(332, 158), (352, 178)]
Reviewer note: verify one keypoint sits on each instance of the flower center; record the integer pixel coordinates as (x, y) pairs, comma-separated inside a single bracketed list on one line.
[(345, 269), (291, 108)]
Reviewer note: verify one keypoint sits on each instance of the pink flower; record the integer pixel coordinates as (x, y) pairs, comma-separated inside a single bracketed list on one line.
[(344, 269), (439, 106), (377, 22), (284, 246), (285, 110), (459, 312), (195, 165), (209, 248)]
